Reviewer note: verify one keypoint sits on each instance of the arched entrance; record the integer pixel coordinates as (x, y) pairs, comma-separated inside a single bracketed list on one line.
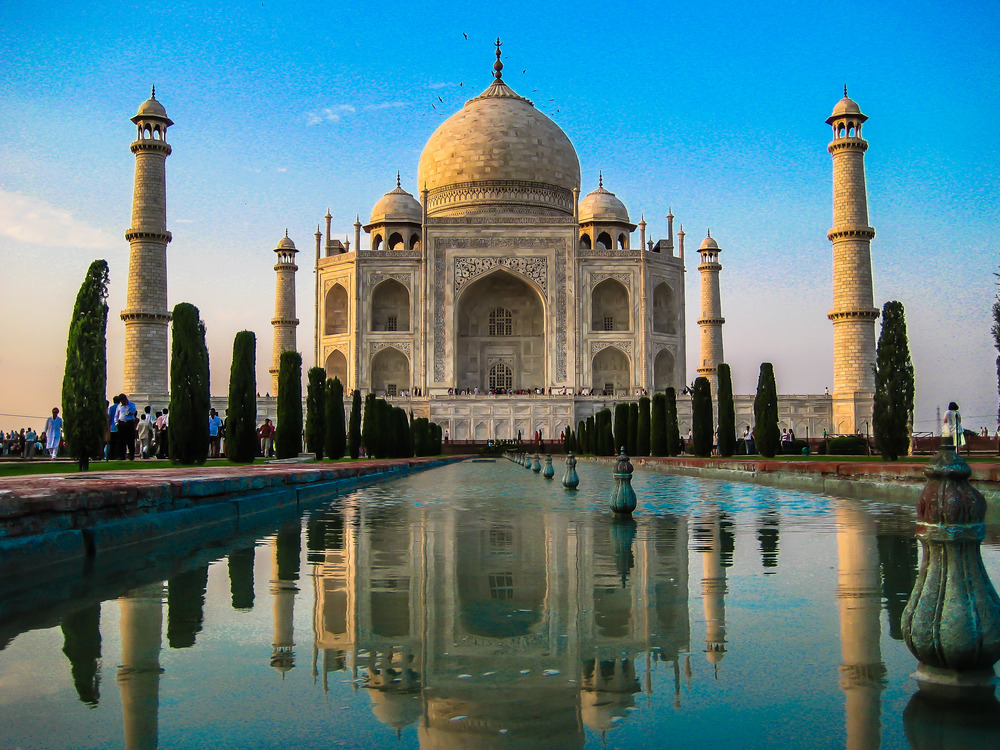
[(500, 331), (664, 316), (611, 370), (390, 307), (663, 370), (336, 366), (336, 311), (609, 307), (390, 373)]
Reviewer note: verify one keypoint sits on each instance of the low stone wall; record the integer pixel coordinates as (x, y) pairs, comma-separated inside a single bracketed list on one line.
[(869, 480), (55, 518)]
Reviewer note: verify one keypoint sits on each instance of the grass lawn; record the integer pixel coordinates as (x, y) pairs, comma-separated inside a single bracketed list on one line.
[(14, 468)]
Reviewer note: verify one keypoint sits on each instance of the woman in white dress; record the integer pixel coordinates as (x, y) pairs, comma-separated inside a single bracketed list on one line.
[(53, 432), (951, 428)]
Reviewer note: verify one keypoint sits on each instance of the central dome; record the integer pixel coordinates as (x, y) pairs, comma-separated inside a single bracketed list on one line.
[(498, 155)]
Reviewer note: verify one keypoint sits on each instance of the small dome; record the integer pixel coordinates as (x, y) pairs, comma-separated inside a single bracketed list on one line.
[(709, 243), (152, 109), (846, 106), (399, 206), (602, 205), (285, 244)]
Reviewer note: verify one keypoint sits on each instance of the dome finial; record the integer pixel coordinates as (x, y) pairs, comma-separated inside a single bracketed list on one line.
[(286, 232), (153, 94), (498, 66), (600, 179), (397, 179), (709, 232), (845, 91)]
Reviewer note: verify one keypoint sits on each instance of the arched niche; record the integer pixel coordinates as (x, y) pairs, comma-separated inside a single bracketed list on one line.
[(390, 371), (390, 307), (664, 309), (395, 241), (663, 370), (500, 591), (611, 368), (521, 345), (336, 366), (604, 241), (609, 306), (336, 311), (585, 241)]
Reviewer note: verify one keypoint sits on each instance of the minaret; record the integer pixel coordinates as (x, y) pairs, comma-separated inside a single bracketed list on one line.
[(146, 315), (284, 320), (853, 312), (711, 313)]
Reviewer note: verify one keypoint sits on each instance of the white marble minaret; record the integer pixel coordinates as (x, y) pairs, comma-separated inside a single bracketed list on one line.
[(711, 319), (853, 314), (284, 320), (146, 315)]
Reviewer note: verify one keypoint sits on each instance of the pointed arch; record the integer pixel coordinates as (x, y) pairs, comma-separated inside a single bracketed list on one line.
[(390, 371), (664, 309), (609, 303), (336, 311), (336, 366), (390, 309), (611, 371)]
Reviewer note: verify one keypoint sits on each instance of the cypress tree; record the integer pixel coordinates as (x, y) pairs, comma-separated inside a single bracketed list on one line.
[(354, 426), (633, 428), (766, 436), (336, 431), (315, 411), (673, 429), (621, 429), (893, 385), (85, 378), (644, 427), (189, 387), (702, 418), (591, 445), (368, 424), (436, 434), (288, 443), (727, 412), (241, 429), (607, 434), (658, 426), (404, 435)]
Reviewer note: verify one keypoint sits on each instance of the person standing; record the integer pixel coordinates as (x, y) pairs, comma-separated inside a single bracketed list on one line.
[(144, 431), (29, 445), (951, 428), (53, 432), (266, 435), (162, 423), (126, 419), (113, 444), (214, 426)]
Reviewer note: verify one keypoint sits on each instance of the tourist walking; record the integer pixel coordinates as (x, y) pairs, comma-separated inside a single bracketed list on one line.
[(144, 431), (951, 428), (111, 453), (53, 432), (162, 424), (266, 434), (29, 445)]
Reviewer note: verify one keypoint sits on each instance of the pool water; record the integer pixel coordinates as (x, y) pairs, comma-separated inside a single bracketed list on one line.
[(482, 606)]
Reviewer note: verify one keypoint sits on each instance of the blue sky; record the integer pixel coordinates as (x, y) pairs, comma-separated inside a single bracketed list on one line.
[(285, 108)]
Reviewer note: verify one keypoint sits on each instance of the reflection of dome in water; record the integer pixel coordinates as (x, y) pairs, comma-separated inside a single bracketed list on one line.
[(397, 710), (499, 154), (599, 710), (540, 718)]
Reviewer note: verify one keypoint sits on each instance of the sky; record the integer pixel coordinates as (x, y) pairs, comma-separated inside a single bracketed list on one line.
[(283, 109)]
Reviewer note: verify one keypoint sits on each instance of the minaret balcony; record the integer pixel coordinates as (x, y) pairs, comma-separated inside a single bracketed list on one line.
[(850, 233), (146, 236), (149, 144)]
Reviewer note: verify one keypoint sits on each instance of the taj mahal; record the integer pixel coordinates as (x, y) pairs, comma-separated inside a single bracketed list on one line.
[(498, 299)]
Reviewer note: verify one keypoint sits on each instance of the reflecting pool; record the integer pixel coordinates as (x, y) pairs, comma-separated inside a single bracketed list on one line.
[(482, 606)]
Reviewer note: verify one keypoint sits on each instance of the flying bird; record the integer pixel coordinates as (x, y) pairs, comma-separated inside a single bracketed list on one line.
[(441, 100), (463, 33)]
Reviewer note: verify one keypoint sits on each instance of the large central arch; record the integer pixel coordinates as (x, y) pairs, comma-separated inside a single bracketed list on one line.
[(500, 320)]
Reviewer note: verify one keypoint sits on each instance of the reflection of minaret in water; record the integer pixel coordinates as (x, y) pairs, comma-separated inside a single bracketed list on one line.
[(82, 646), (899, 558), (139, 674), (285, 567), (241, 578), (186, 606), (713, 587), (862, 672), (768, 537)]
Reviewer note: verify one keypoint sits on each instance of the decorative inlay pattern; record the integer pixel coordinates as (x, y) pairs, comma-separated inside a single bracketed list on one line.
[(403, 346), (657, 348), (534, 268), (399, 254), (507, 243), (506, 192), (597, 278), (562, 310), (601, 253), (342, 280), (375, 277), (330, 349), (438, 312), (534, 219), (596, 346)]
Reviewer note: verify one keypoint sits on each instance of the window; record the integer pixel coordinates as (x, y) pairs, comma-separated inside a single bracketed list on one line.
[(391, 323), (609, 389), (501, 541), (609, 322), (390, 389), (500, 322), (501, 378), (502, 586)]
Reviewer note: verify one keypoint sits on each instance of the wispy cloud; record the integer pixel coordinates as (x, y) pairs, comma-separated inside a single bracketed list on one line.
[(338, 112), (440, 85), (29, 219)]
